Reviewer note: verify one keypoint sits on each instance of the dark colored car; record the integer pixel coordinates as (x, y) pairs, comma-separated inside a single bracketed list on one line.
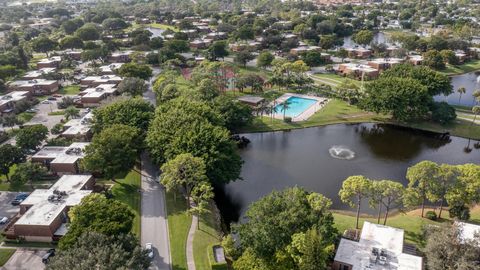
[(21, 196), (46, 257), (52, 98), (16, 202)]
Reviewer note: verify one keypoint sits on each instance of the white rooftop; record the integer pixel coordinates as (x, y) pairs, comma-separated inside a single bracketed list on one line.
[(359, 67), (78, 126), (468, 230), (99, 91), (50, 60), (39, 72), (386, 241), (386, 60), (63, 155), (12, 97), (25, 83), (110, 67), (44, 210)]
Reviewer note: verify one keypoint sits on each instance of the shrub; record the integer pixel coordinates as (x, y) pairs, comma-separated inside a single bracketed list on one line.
[(287, 119), (443, 113), (461, 212), (57, 129), (431, 215)]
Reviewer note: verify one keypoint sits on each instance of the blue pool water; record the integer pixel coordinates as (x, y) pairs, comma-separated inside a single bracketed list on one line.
[(296, 106)]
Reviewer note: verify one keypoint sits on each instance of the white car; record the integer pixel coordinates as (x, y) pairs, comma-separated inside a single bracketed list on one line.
[(149, 248), (3, 220)]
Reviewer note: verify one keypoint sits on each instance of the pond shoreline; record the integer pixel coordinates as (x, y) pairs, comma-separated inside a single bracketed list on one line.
[(434, 130)]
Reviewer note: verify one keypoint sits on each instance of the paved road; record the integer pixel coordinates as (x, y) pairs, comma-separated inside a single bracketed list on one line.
[(154, 222)]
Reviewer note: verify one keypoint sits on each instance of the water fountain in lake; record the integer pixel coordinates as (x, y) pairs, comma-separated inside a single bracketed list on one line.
[(341, 152)]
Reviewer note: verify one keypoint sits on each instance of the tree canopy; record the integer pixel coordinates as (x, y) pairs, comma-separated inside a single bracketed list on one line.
[(98, 251), (134, 112), (278, 222), (31, 137), (96, 213), (113, 151)]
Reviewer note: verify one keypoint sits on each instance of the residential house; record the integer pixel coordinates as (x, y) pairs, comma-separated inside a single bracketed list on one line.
[(36, 87), (379, 247), (94, 81), (93, 97), (8, 101), (78, 128), (61, 159), (52, 62), (357, 71), (43, 215)]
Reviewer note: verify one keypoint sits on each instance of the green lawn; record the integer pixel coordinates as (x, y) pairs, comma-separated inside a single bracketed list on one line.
[(206, 236), (69, 90), (163, 26), (59, 112), (333, 79), (25, 116), (5, 254), (459, 127), (460, 69), (178, 225), (411, 222), (336, 111), (127, 191)]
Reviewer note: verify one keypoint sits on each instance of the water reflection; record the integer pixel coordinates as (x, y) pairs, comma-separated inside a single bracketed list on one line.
[(397, 143), (276, 160), (470, 81)]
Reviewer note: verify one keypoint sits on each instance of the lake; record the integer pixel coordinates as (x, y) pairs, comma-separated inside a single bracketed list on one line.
[(470, 81), (276, 160)]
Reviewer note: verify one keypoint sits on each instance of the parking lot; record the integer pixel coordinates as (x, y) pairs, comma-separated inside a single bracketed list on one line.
[(6, 209), (26, 259)]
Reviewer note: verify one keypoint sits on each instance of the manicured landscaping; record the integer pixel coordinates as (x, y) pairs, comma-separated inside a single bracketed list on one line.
[(411, 222), (178, 225), (126, 190), (335, 112), (59, 112), (205, 237), (333, 80), (5, 254)]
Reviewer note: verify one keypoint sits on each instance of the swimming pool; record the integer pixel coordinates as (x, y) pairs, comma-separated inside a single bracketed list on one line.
[(295, 106)]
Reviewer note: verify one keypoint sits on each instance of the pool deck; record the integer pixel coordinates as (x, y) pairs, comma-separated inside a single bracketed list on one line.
[(319, 104)]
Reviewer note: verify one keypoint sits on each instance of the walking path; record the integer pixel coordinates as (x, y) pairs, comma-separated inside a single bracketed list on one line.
[(191, 234)]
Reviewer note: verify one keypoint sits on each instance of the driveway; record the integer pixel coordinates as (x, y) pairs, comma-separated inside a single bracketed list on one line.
[(154, 216), (26, 259)]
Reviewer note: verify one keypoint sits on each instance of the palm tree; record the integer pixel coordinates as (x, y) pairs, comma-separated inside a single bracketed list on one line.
[(475, 111), (273, 109), (285, 106), (476, 96), (461, 91)]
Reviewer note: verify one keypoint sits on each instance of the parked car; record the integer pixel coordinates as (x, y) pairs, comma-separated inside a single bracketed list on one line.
[(32, 110), (149, 248), (16, 202), (21, 196), (57, 95), (52, 98), (3, 220), (46, 257), (46, 102)]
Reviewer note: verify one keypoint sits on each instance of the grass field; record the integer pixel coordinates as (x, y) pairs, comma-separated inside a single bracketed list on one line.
[(178, 225), (163, 26), (336, 111), (411, 222), (25, 116), (127, 191), (460, 69), (69, 90), (206, 236), (333, 80), (5, 254)]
